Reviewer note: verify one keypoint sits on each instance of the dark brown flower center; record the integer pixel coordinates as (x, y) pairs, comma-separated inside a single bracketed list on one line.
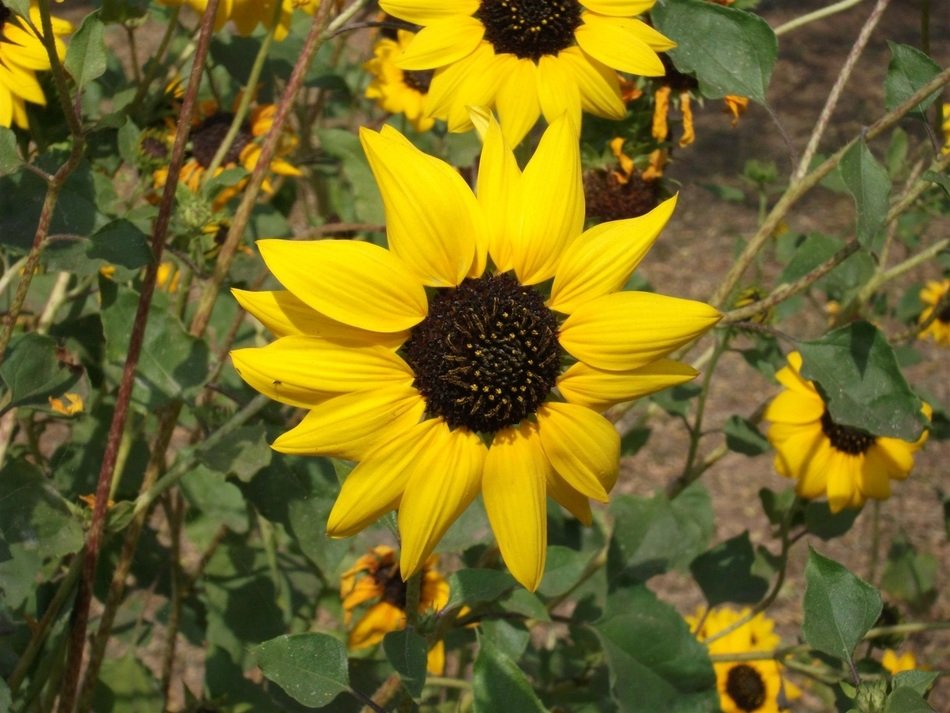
[(487, 355), (607, 198), (389, 579), (4, 15), (530, 29), (208, 135), (418, 79), (944, 314), (745, 687), (846, 439)]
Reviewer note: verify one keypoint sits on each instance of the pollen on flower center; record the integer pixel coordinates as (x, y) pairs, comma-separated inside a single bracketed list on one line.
[(746, 687), (530, 29), (487, 354), (418, 79), (846, 439), (208, 135)]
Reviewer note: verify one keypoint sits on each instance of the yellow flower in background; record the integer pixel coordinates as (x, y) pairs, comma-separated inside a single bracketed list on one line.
[(932, 295), (946, 128), (395, 90), (22, 55), (69, 404), (210, 129), (744, 686), (527, 58), (248, 14), (376, 576), (443, 376), (896, 663), (736, 106), (847, 464)]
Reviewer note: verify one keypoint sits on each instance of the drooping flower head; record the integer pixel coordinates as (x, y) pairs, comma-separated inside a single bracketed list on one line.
[(445, 367), (847, 464), (936, 311), (22, 55), (528, 57), (396, 90), (744, 686)]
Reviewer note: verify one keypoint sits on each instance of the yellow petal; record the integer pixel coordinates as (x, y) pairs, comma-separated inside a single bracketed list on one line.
[(843, 472), (351, 281), (283, 314), (441, 42), (792, 407), (472, 81), (303, 371), (444, 480), (598, 84), (350, 425), (514, 488), (568, 498), (379, 620), (598, 389), (375, 485), (619, 8), (875, 481), (627, 330), (583, 447), (552, 204), (499, 192), (432, 217), (558, 91), (618, 45), (423, 12), (602, 259), (435, 659), (517, 101)]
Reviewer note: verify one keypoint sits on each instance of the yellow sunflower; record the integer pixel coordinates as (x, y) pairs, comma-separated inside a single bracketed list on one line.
[(248, 14), (896, 663), (932, 295), (847, 464), (376, 576), (22, 55), (395, 90), (209, 130), (528, 57), (445, 374), (745, 686)]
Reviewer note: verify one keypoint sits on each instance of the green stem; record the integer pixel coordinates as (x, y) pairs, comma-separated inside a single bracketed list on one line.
[(413, 595), (816, 15), (151, 71)]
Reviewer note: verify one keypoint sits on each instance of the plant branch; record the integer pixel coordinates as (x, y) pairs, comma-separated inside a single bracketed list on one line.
[(816, 15)]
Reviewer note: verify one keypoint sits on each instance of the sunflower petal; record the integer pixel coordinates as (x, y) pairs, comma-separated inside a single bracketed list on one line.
[(618, 8), (583, 447), (517, 101), (432, 217), (599, 389), (627, 330), (792, 407), (558, 91), (473, 81), (379, 620), (599, 85), (444, 480), (568, 498), (441, 42), (618, 46), (424, 12), (499, 192), (514, 488), (327, 274), (602, 259), (350, 425)]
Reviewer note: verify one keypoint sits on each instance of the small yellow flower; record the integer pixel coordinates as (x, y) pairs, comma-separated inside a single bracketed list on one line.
[(396, 90), (376, 576), (745, 686), (736, 106), (932, 295), (69, 404), (896, 663), (847, 464)]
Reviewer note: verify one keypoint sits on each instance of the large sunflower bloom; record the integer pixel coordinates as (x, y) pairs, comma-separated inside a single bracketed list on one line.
[(22, 55), (847, 464), (395, 90), (376, 578), (744, 686), (932, 295), (248, 14), (443, 374), (528, 57)]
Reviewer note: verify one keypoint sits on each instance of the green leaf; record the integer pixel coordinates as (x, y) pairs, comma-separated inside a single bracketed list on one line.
[(870, 186), (20, 7), (652, 535), (839, 607), (32, 372), (213, 503), (365, 199), (311, 668), (820, 521), (475, 586), (86, 51), (119, 244), (908, 71), (243, 454), (941, 179), (808, 253), (739, 61), (499, 685), (656, 665), (126, 686), (910, 576), (920, 681), (10, 160), (743, 437), (5, 700), (562, 570), (861, 382), (406, 653), (724, 573), (906, 700)]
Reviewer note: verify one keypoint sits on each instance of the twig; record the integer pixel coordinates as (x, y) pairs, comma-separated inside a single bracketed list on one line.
[(815, 15)]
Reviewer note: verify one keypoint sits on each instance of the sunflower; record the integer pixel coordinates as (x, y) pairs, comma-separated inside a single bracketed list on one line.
[(209, 130), (444, 374), (934, 295), (624, 192), (847, 464), (22, 55), (248, 14), (528, 57), (376, 576), (896, 663), (395, 90), (744, 686)]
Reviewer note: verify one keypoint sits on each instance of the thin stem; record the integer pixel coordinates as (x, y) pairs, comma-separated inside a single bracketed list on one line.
[(835, 94), (151, 71), (816, 15), (594, 566), (413, 595), (133, 53), (175, 517), (907, 628), (57, 297)]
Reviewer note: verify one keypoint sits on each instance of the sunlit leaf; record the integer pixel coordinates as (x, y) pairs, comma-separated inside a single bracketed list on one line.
[(869, 185), (311, 668), (86, 52), (498, 684)]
